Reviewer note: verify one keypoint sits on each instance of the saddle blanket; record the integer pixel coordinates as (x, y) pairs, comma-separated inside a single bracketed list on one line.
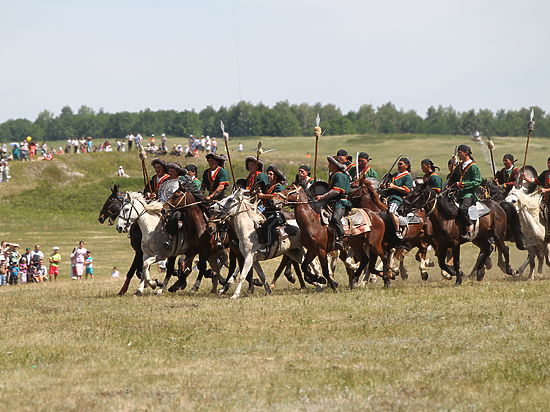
[(412, 219), (478, 211), (357, 222)]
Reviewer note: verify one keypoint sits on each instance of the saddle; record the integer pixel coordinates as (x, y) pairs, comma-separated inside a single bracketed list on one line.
[(357, 221), (478, 211)]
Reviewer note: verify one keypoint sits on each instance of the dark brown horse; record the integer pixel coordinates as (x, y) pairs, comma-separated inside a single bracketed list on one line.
[(366, 196), (110, 211), (446, 232), (319, 239)]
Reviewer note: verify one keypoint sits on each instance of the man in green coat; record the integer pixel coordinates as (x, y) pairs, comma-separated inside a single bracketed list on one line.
[(399, 186), (339, 186), (215, 179), (467, 178)]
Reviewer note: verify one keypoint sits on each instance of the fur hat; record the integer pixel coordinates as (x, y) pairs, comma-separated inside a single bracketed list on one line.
[(510, 157), (220, 158), (334, 161), (177, 167), (192, 168), (363, 155), (342, 152), (464, 148), (280, 176), (253, 159), (161, 162)]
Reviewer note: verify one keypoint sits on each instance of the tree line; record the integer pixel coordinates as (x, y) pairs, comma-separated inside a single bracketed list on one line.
[(283, 119)]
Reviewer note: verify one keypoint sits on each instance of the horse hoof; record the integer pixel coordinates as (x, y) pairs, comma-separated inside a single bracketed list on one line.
[(159, 292), (234, 296), (424, 275), (193, 289), (138, 293)]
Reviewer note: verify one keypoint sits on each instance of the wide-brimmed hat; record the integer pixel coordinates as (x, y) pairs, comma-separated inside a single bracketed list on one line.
[(158, 161), (220, 158), (280, 176), (192, 168), (334, 161), (510, 157), (464, 148), (253, 159), (177, 167)]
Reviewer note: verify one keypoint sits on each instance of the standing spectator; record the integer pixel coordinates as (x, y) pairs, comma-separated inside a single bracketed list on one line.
[(3, 271), (41, 271), (115, 273), (35, 255), (79, 255), (163, 146), (13, 275), (14, 255), (89, 145), (138, 140), (23, 269), (55, 260), (130, 139), (89, 262), (214, 145), (4, 171), (240, 147)]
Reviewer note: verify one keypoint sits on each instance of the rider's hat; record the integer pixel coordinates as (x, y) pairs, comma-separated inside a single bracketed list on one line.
[(280, 176), (177, 167), (254, 160), (161, 162), (464, 148), (334, 161), (510, 157), (220, 158), (364, 155)]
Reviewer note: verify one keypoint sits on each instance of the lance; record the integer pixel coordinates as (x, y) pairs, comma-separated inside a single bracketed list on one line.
[(530, 129), (357, 165), (491, 146), (317, 134), (143, 156), (225, 139), (386, 178)]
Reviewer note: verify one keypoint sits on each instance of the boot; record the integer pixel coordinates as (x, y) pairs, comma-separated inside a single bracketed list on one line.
[(338, 244), (467, 236)]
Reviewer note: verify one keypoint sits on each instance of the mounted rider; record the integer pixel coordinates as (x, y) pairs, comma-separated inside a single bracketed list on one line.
[(400, 185), (215, 179), (192, 174), (339, 186), (161, 175), (365, 171), (303, 177), (257, 180), (274, 217), (507, 177), (344, 158), (467, 178), (430, 177)]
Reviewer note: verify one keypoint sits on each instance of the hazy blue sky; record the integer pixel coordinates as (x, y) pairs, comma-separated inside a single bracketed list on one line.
[(130, 55)]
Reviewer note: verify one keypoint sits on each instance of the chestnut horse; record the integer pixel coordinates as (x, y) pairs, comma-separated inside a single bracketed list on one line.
[(319, 239)]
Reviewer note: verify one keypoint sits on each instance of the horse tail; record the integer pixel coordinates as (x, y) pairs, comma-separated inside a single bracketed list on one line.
[(513, 224)]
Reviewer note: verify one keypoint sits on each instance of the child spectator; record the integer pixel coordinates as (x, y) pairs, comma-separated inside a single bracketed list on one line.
[(3, 272), (89, 265), (13, 275), (23, 269), (115, 273), (41, 273), (79, 255), (55, 260)]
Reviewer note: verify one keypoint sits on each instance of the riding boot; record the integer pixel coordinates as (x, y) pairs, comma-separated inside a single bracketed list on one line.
[(336, 221), (467, 236)]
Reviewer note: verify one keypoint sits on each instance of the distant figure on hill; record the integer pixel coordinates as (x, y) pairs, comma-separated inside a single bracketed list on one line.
[(121, 173)]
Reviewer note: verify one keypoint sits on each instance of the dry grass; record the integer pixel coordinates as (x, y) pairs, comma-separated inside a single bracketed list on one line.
[(420, 345)]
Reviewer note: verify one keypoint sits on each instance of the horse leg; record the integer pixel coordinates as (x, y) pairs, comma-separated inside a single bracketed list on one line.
[(282, 265), (442, 261), (184, 269), (423, 262), (308, 276), (201, 266), (298, 271), (137, 262), (248, 262), (261, 274), (456, 265), (145, 278), (326, 271), (169, 272), (504, 264), (355, 278)]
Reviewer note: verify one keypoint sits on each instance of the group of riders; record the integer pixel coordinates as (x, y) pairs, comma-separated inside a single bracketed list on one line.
[(463, 179)]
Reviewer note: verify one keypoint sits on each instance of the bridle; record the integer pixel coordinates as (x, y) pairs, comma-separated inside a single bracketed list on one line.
[(126, 219), (292, 191)]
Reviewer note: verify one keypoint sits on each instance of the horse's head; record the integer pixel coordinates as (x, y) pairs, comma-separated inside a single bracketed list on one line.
[(111, 207), (228, 204), (132, 209), (419, 197)]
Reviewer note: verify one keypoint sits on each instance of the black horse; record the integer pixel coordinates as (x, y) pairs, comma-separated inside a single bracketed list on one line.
[(110, 211)]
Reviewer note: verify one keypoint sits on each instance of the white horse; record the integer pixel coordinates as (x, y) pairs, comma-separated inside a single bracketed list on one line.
[(532, 226), (243, 216)]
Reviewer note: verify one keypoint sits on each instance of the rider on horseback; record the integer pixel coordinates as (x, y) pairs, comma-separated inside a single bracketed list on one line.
[(274, 217), (431, 178), (339, 186), (400, 185), (467, 178), (161, 174), (344, 158), (256, 180), (507, 177), (365, 171), (543, 180)]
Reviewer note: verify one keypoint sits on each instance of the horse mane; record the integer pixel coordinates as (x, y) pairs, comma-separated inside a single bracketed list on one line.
[(374, 195), (154, 207), (252, 210)]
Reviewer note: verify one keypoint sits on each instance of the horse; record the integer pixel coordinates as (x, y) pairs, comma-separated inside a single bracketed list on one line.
[(366, 196), (529, 211), (244, 218), (319, 240), (198, 239), (110, 211), (491, 228)]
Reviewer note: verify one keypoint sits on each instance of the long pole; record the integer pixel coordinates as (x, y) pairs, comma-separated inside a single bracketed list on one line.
[(530, 129), (317, 133), (491, 146), (143, 156), (225, 138)]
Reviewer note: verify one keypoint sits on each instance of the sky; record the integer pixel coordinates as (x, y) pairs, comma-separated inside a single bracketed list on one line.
[(182, 55)]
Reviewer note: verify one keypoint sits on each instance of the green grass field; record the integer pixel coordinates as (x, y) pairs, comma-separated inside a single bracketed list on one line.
[(417, 346)]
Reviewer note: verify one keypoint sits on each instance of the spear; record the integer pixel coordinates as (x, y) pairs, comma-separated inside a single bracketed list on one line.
[(225, 138), (530, 129), (317, 133), (143, 156), (357, 165), (491, 146)]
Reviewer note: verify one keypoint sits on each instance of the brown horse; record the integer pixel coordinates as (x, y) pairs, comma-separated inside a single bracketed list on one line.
[(446, 232), (319, 239), (365, 196)]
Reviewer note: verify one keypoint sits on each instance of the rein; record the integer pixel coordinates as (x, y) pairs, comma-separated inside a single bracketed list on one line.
[(133, 207)]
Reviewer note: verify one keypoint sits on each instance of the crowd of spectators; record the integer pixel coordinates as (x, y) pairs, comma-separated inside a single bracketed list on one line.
[(30, 267)]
